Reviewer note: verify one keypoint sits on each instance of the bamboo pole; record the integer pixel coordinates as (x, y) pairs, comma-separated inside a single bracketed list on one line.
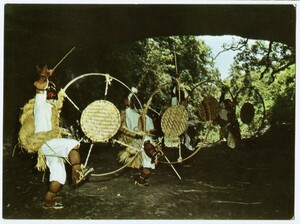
[(63, 58)]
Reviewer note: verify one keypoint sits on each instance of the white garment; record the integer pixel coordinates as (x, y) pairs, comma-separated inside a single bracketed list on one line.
[(54, 150), (132, 119), (42, 113), (230, 140), (174, 101), (149, 123), (146, 160), (187, 142), (223, 112)]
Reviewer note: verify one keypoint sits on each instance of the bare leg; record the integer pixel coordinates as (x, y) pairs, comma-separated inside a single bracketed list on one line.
[(49, 200), (141, 178), (145, 173), (54, 188), (74, 158), (79, 173)]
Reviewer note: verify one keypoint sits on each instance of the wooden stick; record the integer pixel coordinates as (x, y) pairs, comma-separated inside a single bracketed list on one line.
[(152, 109), (172, 166), (88, 156), (175, 61), (63, 58)]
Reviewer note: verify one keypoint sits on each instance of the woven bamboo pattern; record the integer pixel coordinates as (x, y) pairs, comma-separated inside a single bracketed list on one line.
[(247, 113), (100, 120), (209, 109), (174, 121)]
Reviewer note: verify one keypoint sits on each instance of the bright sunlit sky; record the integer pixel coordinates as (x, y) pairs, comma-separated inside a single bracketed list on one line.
[(225, 59)]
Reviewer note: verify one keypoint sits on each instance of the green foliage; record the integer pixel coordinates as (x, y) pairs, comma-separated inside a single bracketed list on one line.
[(270, 67), (283, 109), (152, 62), (268, 58)]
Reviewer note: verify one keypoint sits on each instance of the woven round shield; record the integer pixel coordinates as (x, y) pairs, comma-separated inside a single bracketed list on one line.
[(100, 120), (174, 121), (247, 113), (209, 109)]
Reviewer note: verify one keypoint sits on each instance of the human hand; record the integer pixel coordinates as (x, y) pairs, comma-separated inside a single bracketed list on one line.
[(51, 71)]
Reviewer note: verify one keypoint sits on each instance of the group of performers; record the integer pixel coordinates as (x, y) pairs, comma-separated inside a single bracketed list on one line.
[(134, 133), (136, 130)]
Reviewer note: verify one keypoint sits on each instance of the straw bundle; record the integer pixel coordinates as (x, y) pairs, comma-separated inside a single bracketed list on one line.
[(127, 155), (32, 142), (130, 155)]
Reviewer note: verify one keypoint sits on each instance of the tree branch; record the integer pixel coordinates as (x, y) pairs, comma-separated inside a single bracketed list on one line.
[(233, 48), (275, 71), (268, 64)]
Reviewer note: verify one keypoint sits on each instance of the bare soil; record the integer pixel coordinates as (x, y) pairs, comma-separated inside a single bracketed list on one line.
[(255, 181)]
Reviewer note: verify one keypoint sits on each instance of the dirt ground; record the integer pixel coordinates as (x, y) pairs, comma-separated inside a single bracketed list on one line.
[(254, 182)]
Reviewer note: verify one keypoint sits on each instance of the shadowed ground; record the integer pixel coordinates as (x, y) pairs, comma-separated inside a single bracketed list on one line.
[(253, 182)]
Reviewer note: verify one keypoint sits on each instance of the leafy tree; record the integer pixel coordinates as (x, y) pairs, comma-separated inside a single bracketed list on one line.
[(270, 67), (153, 61), (268, 58), (283, 92)]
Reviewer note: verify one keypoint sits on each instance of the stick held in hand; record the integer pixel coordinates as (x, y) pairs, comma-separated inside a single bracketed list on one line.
[(63, 58)]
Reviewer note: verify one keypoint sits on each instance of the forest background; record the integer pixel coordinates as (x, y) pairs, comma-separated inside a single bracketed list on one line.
[(269, 67)]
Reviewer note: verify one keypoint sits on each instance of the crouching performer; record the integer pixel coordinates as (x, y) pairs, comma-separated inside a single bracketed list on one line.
[(141, 148), (45, 137)]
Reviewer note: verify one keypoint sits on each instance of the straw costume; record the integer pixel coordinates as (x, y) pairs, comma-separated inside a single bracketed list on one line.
[(140, 142), (40, 132)]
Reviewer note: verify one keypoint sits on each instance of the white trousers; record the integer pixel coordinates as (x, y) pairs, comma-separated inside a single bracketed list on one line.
[(55, 151)]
